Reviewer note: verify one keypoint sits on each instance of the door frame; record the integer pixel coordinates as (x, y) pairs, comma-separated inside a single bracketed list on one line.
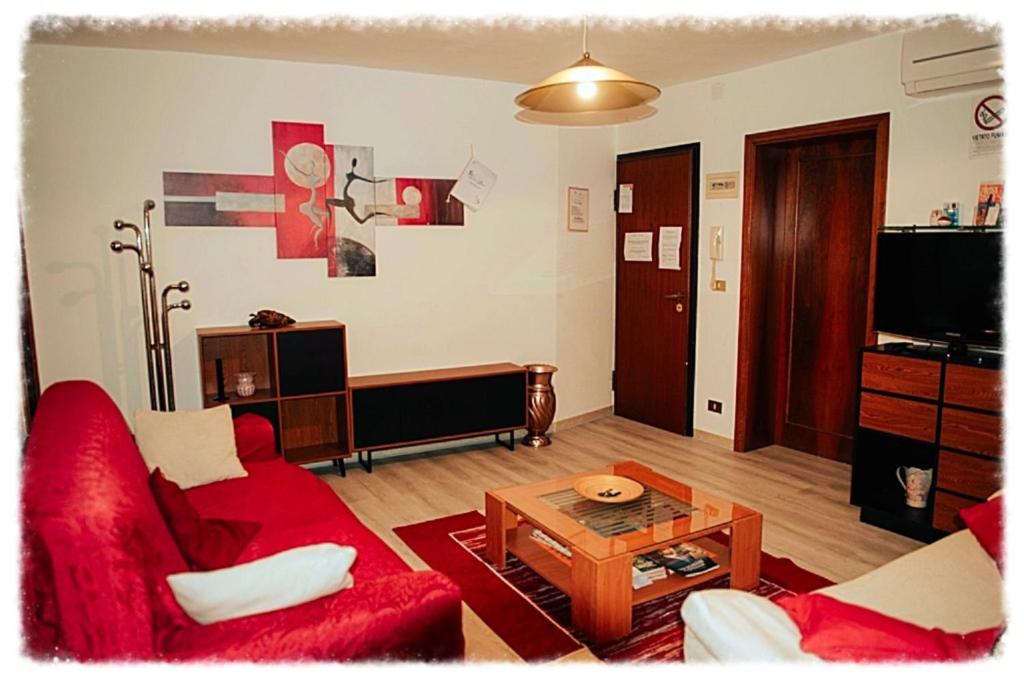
[(750, 333), (695, 198)]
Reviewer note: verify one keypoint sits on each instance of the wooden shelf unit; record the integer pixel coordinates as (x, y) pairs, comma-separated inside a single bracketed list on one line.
[(921, 407), (301, 383)]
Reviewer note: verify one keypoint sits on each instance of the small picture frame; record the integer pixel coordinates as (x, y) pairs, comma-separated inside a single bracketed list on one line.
[(722, 185), (578, 209)]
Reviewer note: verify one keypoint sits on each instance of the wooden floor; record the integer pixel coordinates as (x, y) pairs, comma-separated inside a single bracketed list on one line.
[(803, 498)]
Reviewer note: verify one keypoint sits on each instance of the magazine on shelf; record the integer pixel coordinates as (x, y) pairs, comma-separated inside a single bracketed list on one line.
[(648, 567), (685, 559), (542, 537)]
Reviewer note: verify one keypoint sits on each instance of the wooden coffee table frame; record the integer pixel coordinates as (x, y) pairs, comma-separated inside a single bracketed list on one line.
[(601, 588)]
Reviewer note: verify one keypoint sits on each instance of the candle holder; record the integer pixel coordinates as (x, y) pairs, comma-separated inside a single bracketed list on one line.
[(540, 401)]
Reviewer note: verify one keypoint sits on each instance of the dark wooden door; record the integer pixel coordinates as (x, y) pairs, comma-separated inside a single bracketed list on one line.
[(825, 271), (654, 307)]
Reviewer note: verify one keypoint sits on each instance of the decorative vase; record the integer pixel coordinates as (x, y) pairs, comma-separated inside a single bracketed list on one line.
[(245, 384), (540, 401)]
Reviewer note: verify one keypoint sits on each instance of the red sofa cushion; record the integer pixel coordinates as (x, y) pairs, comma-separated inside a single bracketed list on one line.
[(839, 631), (985, 520), (254, 438), (207, 544)]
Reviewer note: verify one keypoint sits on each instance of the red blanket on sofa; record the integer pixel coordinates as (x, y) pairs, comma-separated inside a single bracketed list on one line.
[(97, 553)]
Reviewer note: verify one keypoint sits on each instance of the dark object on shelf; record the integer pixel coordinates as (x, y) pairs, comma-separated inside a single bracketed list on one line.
[(155, 321), (300, 374), (921, 407), (541, 398), (410, 408), (267, 319), (221, 396)]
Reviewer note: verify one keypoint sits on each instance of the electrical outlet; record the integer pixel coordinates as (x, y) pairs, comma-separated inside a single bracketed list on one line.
[(715, 406), (718, 286)]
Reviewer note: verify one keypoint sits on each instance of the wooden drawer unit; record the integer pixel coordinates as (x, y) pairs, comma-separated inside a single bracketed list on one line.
[(969, 431), (976, 477), (947, 505), (897, 375), (973, 387), (922, 407), (898, 416)]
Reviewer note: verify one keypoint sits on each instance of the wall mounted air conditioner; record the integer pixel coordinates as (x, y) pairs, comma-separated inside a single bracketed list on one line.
[(951, 56)]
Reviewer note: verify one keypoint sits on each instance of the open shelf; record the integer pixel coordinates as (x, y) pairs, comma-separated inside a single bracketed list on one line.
[(261, 396), (312, 427), (237, 353), (675, 582), (554, 567), (301, 377), (557, 569)]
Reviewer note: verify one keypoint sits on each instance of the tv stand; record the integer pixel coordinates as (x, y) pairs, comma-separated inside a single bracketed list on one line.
[(957, 349), (919, 406)]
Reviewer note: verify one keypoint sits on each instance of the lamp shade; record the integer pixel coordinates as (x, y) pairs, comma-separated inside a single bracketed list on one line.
[(587, 86), (587, 118)]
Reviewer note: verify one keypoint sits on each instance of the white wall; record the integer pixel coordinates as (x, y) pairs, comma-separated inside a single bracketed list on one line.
[(928, 164), (102, 124), (585, 298)]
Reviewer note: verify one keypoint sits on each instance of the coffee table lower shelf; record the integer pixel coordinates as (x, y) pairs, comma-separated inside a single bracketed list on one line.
[(557, 569)]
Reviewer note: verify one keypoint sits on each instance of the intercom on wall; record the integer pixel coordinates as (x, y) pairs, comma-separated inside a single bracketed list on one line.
[(717, 249)]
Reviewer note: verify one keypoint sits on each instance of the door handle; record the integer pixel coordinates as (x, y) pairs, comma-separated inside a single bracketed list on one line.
[(675, 295)]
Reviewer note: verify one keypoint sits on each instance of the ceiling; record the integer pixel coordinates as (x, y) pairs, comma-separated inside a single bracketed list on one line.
[(514, 49)]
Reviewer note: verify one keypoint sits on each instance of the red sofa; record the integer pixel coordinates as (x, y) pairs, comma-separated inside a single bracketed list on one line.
[(96, 552)]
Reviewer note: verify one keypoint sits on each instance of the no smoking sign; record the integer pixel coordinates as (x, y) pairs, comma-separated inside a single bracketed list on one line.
[(990, 114), (987, 126)]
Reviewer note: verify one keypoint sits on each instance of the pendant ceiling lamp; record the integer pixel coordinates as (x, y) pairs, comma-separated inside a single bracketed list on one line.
[(587, 93)]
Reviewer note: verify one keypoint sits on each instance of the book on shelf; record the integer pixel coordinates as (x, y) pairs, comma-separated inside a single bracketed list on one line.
[(685, 559)]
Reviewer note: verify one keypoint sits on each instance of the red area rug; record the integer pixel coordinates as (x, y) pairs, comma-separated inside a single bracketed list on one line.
[(534, 618)]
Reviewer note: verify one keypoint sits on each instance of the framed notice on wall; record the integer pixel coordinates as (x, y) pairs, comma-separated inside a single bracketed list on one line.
[(722, 185), (579, 209)]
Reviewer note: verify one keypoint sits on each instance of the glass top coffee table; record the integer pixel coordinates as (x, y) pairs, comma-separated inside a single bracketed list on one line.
[(603, 538)]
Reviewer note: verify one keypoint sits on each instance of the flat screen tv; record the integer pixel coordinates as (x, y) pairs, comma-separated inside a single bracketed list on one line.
[(940, 286)]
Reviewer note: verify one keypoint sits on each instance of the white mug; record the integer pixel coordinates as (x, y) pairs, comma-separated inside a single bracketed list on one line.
[(916, 482)]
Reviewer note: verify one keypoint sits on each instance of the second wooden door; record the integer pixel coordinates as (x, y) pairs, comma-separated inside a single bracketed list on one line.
[(654, 306)]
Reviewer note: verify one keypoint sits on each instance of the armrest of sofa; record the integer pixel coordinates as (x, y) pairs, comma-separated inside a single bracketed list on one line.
[(254, 438), (736, 626), (407, 616)]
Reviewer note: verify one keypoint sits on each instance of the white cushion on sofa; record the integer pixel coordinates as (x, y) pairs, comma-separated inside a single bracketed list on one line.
[(283, 580), (951, 584), (739, 627), (191, 447)]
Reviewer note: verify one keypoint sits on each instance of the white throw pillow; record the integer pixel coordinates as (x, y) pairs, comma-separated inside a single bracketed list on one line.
[(191, 447), (283, 580)]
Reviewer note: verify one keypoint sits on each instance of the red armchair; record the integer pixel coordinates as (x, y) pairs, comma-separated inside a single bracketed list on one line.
[(96, 553)]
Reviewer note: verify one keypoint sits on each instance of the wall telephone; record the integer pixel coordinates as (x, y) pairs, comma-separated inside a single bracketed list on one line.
[(717, 254)]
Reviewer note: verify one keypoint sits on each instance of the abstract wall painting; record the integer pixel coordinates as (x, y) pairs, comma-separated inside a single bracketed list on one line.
[(302, 169), (352, 250), (323, 201), (220, 199), (418, 201)]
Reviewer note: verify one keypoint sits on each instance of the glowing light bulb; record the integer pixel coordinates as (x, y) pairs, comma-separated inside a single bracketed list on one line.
[(586, 89)]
